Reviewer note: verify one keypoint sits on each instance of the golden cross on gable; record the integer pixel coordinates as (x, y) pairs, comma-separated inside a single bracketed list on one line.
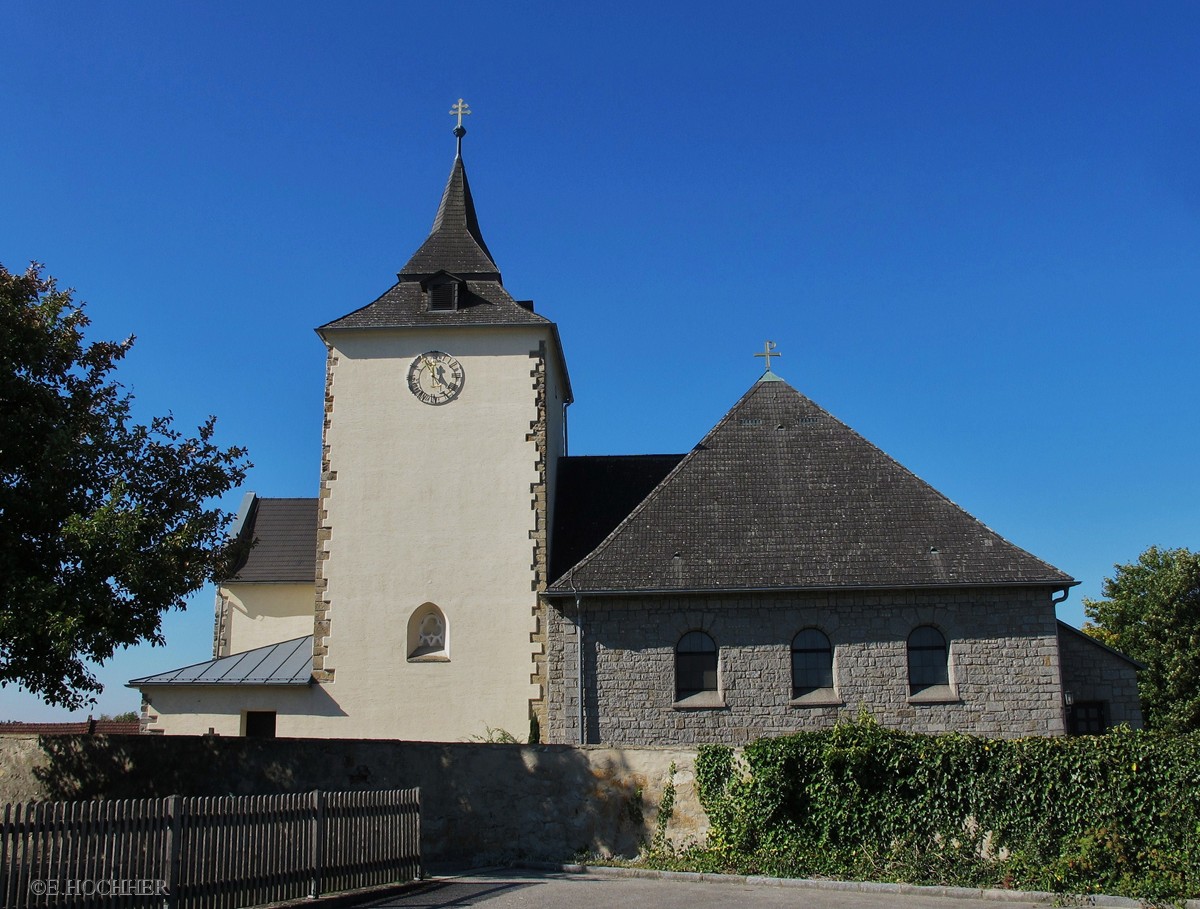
[(768, 352), (460, 108)]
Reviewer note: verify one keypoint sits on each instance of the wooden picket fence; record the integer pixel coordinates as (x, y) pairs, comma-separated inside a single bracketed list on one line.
[(207, 853)]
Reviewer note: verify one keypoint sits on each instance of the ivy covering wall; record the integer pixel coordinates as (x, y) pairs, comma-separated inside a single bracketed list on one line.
[(1117, 814)]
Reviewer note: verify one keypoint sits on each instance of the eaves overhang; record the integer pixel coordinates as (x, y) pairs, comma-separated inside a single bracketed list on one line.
[(831, 588), (569, 395)]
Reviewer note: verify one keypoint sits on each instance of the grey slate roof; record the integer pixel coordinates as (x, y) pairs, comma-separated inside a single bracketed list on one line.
[(781, 495), (455, 242), (285, 663), (405, 305), (454, 246), (284, 532)]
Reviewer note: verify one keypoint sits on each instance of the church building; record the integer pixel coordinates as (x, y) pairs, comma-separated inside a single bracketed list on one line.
[(461, 574)]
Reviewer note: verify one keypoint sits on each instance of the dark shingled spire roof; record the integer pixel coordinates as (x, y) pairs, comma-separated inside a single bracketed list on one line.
[(781, 495), (455, 243), (454, 251)]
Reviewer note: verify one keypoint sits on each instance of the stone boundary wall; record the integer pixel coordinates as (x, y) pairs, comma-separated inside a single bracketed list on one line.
[(480, 803)]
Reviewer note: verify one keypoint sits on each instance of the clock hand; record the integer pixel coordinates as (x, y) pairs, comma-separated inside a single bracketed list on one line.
[(433, 376)]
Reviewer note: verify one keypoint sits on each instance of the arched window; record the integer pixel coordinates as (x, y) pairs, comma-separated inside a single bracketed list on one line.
[(428, 634), (695, 665), (812, 663), (927, 659)]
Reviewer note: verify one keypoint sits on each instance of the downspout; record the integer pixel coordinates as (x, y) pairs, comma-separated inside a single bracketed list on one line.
[(1062, 681), (579, 634)]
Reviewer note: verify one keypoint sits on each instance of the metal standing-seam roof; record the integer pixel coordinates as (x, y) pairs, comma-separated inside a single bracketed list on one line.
[(285, 663)]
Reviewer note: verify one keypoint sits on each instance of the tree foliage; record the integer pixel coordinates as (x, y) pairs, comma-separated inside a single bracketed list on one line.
[(129, 716), (1117, 813), (103, 522), (1151, 612)]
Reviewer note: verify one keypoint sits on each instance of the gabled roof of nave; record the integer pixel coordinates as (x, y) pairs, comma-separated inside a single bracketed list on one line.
[(782, 495), (454, 246)]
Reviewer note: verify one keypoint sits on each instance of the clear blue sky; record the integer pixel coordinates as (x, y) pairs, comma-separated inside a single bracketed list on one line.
[(972, 228)]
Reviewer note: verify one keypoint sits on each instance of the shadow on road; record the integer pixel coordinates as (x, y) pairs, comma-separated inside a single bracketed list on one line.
[(446, 893)]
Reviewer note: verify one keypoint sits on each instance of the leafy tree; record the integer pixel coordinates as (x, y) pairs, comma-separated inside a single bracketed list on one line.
[(129, 716), (1152, 613), (103, 522)]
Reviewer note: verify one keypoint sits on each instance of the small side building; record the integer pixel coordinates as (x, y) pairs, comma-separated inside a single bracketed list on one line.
[(1099, 684), (262, 633)]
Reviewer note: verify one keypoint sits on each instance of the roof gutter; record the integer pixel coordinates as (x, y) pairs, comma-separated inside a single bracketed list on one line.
[(832, 588), (187, 683)]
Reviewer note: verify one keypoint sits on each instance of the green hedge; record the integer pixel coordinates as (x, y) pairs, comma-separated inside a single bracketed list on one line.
[(1118, 813)]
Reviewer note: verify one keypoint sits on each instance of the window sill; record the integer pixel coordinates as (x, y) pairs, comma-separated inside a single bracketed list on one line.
[(429, 658), (822, 697), (938, 694), (705, 700)]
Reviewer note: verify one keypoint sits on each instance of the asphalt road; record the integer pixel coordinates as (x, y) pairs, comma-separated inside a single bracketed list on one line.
[(552, 890)]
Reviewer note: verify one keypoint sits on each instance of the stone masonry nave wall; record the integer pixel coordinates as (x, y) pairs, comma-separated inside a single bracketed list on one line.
[(1004, 664)]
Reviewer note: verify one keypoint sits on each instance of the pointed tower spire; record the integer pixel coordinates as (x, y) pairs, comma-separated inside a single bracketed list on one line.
[(455, 244)]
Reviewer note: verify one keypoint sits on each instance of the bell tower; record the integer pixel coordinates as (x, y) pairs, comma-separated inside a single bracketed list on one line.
[(444, 419)]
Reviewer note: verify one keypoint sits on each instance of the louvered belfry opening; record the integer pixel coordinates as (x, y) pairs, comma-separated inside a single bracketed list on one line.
[(443, 297)]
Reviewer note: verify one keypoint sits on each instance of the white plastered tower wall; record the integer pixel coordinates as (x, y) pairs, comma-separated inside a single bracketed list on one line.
[(429, 510), (253, 615), (433, 504)]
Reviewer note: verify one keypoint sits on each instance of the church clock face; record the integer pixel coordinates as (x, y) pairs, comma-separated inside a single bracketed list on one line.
[(435, 377)]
